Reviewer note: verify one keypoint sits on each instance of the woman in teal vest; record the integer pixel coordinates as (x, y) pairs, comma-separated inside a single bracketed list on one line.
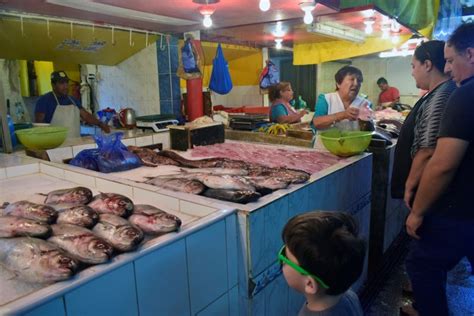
[(281, 111)]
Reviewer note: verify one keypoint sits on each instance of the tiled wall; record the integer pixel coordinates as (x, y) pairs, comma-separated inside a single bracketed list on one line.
[(170, 93), (239, 96), (132, 83)]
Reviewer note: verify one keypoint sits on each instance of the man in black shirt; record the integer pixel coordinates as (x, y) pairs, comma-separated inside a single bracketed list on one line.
[(442, 217)]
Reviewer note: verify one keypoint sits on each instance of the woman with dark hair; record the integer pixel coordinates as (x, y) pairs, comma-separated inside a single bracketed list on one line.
[(340, 109), (281, 111)]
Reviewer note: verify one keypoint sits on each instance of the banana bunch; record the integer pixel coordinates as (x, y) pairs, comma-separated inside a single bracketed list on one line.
[(277, 129)]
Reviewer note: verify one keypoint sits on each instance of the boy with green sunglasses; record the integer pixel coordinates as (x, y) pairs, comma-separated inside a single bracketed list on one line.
[(322, 257)]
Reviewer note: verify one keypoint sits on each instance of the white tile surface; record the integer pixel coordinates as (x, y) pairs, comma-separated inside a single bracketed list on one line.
[(59, 154), (52, 171), (144, 141), (129, 142), (107, 186), (77, 149), (157, 199), (162, 138), (3, 173), (194, 209), (22, 170), (78, 178)]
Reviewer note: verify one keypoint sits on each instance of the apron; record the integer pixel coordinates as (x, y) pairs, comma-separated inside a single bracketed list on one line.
[(288, 108), (67, 116), (336, 105)]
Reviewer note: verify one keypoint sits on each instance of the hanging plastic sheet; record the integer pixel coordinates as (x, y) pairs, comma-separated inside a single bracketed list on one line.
[(270, 75), (220, 82), (449, 18)]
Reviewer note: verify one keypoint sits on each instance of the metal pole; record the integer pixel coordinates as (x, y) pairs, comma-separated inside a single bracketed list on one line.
[(6, 137)]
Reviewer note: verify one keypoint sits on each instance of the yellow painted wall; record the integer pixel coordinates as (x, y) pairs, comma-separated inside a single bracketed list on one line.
[(25, 91), (43, 71)]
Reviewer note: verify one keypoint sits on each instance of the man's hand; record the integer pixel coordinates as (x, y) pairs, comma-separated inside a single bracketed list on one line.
[(409, 195), (351, 113), (413, 223)]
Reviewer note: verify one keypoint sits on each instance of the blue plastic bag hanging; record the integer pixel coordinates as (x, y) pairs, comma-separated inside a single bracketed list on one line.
[(269, 76), (188, 58), (220, 82)]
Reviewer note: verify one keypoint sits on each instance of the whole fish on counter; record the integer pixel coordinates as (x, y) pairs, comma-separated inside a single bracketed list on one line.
[(81, 243), (35, 260), (151, 158), (237, 196), (118, 232), (178, 184), (25, 209), (72, 196), (216, 171), (81, 215), (205, 163), (267, 184), (154, 221), (214, 181), (284, 174), (12, 226), (112, 203)]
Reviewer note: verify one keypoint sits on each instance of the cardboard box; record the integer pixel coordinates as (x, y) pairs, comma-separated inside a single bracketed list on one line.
[(187, 136)]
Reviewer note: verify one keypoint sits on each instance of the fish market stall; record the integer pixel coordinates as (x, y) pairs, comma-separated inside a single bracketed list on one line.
[(177, 265), (333, 184)]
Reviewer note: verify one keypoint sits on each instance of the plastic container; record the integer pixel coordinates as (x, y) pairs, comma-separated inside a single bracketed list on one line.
[(42, 138), (346, 143)]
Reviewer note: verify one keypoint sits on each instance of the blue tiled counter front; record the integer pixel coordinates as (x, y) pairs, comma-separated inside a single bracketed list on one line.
[(262, 288), (193, 274)]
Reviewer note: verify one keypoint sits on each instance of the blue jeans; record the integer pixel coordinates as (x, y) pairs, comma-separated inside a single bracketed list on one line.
[(443, 243)]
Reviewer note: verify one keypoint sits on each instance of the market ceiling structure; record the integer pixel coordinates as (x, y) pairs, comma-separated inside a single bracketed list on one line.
[(234, 21)]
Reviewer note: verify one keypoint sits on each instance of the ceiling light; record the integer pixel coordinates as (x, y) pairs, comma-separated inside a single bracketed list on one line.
[(264, 5), (397, 53), (369, 25), (335, 30), (278, 42), (279, 31), (206, 11), (385, 28), (307, 7)]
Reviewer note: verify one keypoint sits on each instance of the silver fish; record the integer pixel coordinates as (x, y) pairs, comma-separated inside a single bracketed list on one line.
[(154, 221), (178, 184), (118, 232), (284, 174), (36, 212), (81, 215), (216, 171), (35, 260), (11, 226), (72, 196), (81, 243), (237, 196), (112, 203), (225, 182), (268, 183)]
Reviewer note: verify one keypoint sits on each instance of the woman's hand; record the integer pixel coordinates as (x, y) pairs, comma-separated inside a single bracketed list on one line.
[(351, 113)]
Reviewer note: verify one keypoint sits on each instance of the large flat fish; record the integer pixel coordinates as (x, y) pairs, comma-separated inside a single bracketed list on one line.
[(81, 243), (81, 215), (26, 209), (178, 184), (12, 226), (268, 184), (290, 175), (35, 260), (237, 196), (72, 196), (154, 221), (150, 158), (118, 232), (204, 163), (112, 203)]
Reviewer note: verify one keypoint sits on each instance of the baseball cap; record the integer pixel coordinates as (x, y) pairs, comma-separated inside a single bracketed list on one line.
[(57, 76)]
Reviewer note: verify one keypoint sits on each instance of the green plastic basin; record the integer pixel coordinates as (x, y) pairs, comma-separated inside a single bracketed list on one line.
[(346, 143), (46, 137)]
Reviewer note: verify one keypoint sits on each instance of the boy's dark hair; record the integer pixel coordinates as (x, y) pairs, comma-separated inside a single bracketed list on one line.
[(326, 245), (382, 80), (432, 51), (348, 70), (462, 38)]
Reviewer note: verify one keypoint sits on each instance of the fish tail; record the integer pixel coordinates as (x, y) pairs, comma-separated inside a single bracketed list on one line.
[(41, 194), (4, 205)]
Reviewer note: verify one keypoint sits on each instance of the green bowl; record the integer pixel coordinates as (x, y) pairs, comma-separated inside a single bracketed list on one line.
[(47, 137), (346, 143)]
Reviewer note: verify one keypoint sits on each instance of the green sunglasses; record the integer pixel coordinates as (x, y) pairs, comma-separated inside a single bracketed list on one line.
[(283, 259)]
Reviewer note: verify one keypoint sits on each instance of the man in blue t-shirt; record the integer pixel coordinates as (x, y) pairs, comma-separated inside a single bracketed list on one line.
[(60, 109), (442, 218)]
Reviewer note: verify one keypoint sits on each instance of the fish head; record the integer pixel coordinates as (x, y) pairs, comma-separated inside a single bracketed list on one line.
[(81, 195), (43, 213), (125, 205), (57, 266), (34, 228), (194, 186), (99, 249), (169, 222), (129, 234)]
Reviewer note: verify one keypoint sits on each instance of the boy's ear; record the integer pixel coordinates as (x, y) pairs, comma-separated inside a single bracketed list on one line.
[(311, 286)]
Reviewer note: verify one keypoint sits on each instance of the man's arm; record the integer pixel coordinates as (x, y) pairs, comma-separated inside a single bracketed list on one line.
[(89, 118), (419, 163)]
